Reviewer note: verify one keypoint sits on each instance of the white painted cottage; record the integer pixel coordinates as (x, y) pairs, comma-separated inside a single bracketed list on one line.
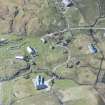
[(67, 3), (32, 51)]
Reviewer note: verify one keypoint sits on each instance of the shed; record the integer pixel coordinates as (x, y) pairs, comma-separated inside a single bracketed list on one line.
[(20, 57)]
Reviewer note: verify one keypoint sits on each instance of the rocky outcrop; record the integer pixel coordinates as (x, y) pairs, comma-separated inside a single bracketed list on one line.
[(29, 17), (39, 17)]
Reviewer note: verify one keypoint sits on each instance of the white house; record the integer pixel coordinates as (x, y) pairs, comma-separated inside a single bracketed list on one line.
[(29, 50), (67, 2), (32, 51)]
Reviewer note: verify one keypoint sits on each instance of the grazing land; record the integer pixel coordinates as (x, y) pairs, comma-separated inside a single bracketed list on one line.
[(64, 43)]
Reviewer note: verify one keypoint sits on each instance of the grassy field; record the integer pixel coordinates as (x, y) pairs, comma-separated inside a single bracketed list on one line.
[(7, 92), (79, 95), (21, 89), (64, 84), (47, 58), (85, 6)]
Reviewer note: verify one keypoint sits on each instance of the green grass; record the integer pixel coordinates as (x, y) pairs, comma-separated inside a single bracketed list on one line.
[(64, 84), (85, 6), (38, 99), (66, 72), (47, 58), (73, 16), (78, 102), (24, 88), (7, 90), (20, 88)]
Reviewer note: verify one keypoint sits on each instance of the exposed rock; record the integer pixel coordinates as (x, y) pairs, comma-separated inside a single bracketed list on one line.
[(36, 17), (29, 17)]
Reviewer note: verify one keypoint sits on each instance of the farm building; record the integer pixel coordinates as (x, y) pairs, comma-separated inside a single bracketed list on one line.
[(39, 83), (32, 51), (67, 3), (92, 48)]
